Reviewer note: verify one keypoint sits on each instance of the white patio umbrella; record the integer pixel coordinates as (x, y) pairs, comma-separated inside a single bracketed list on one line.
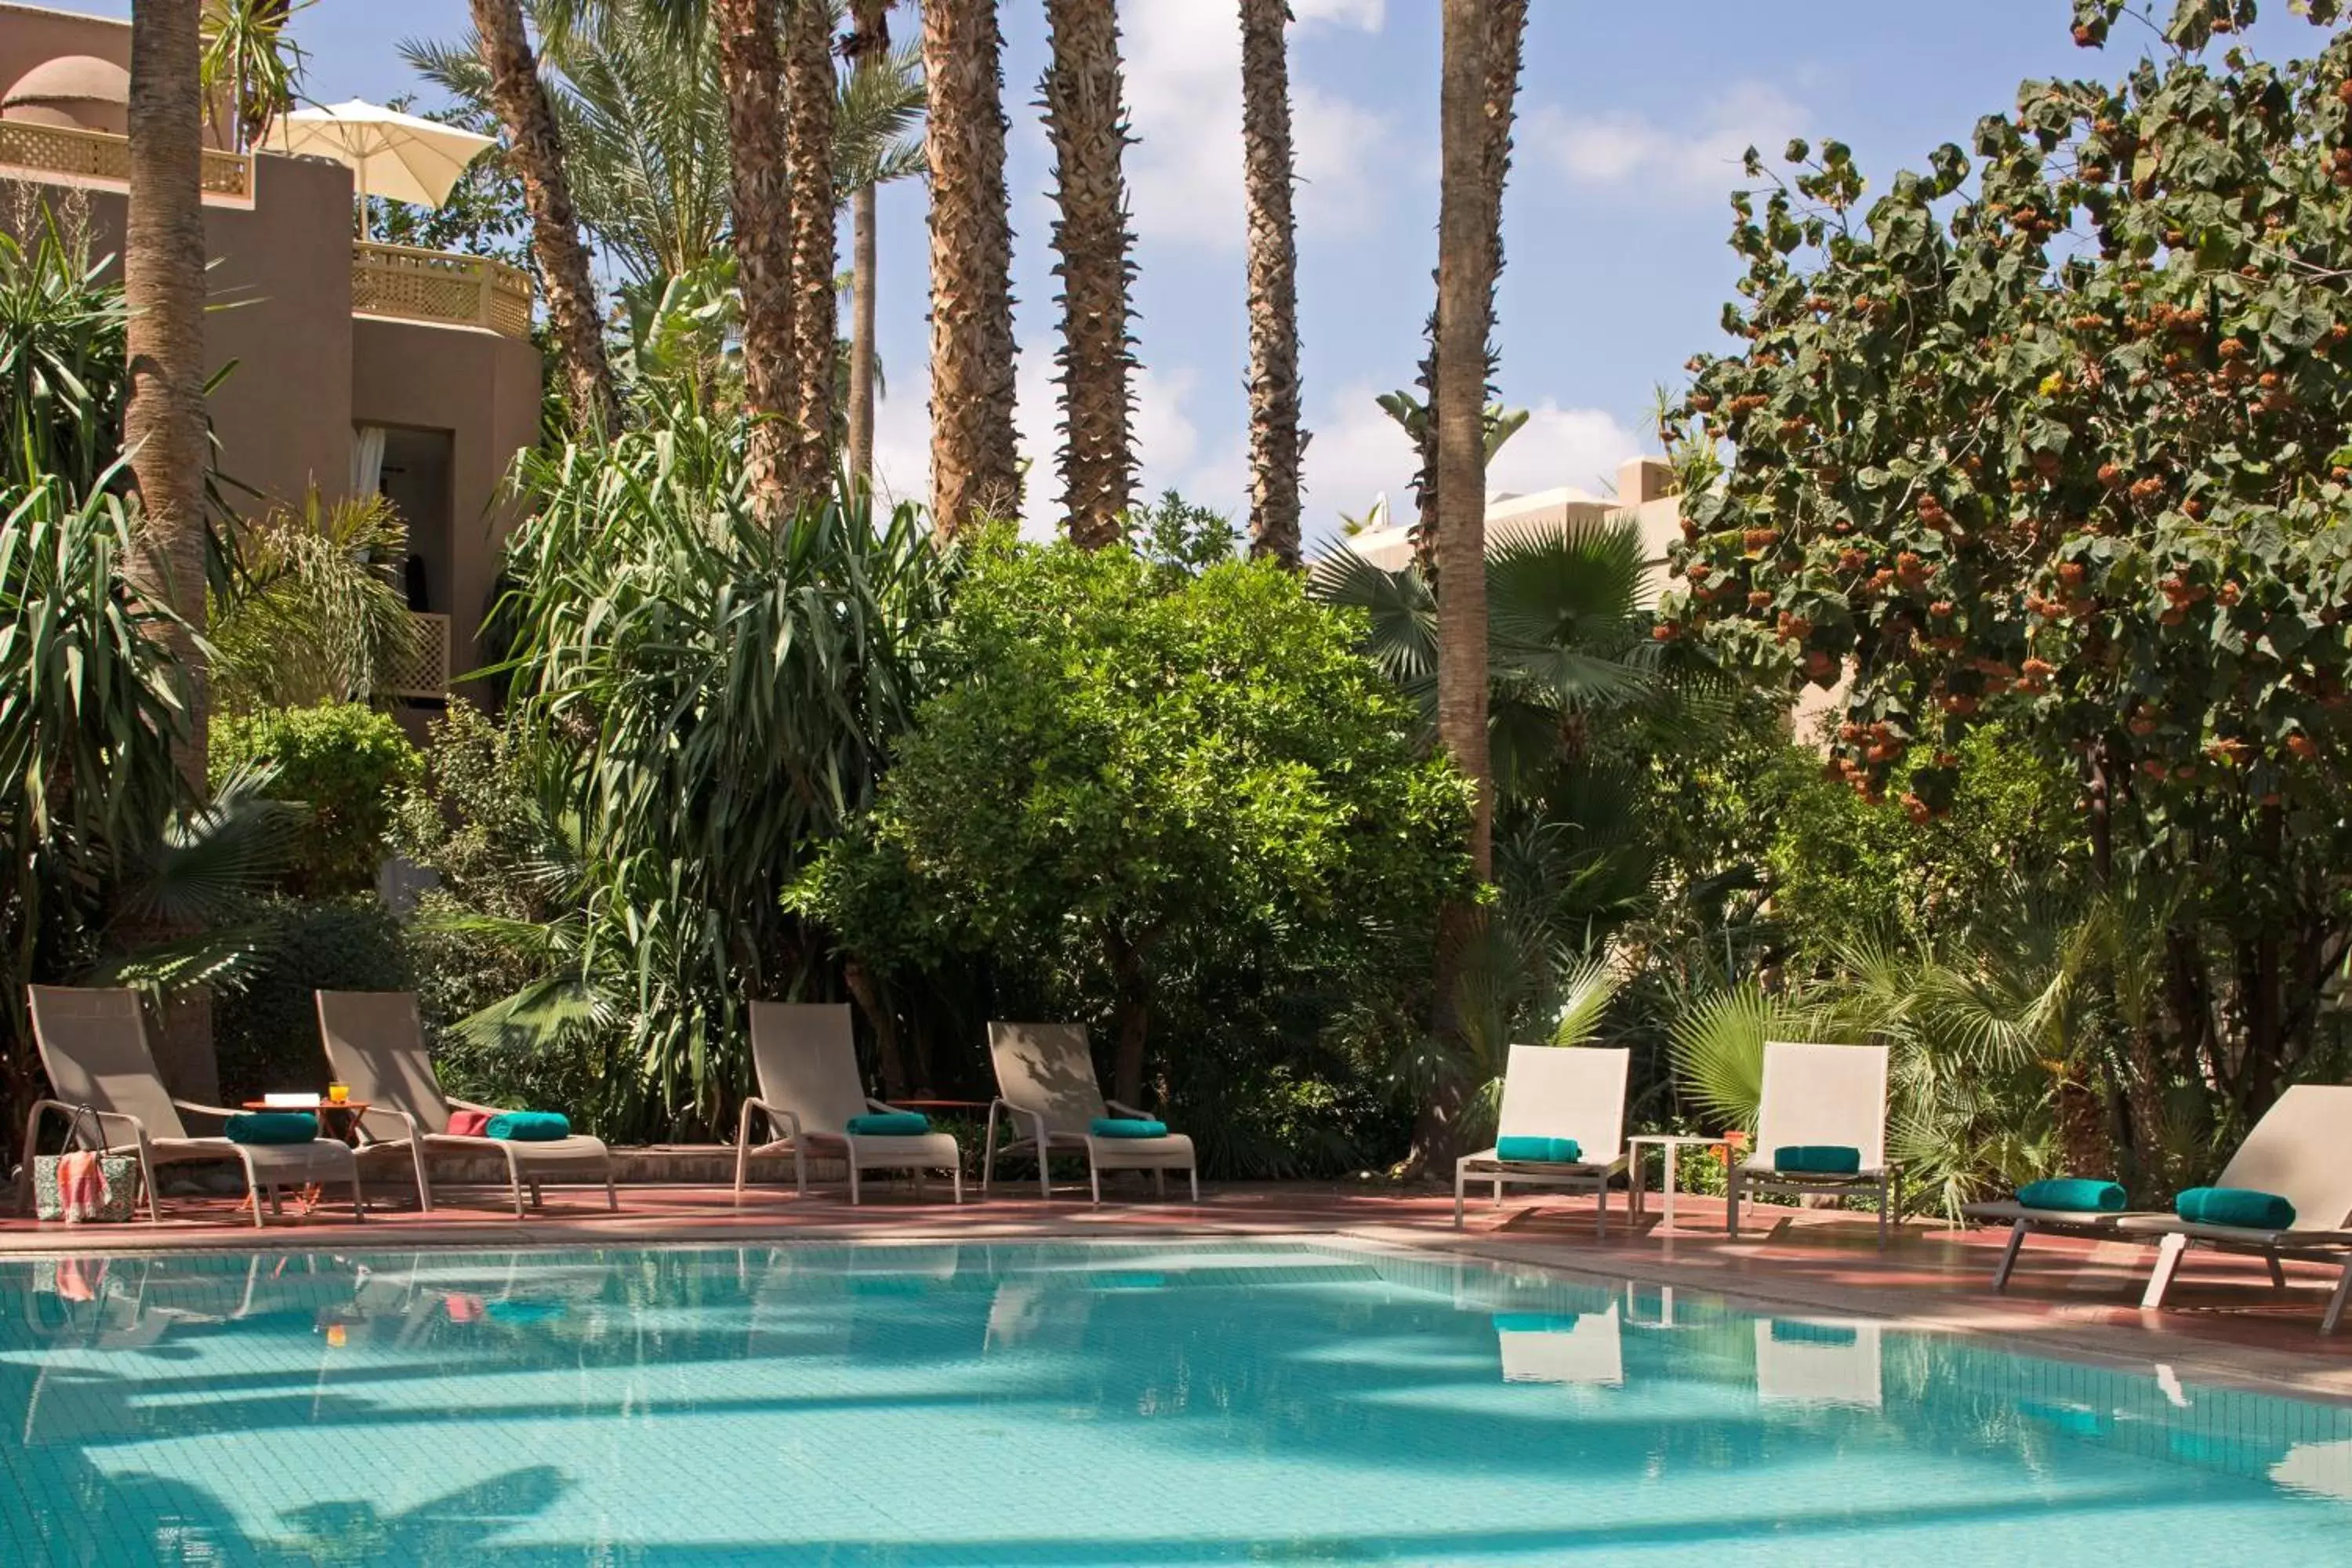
[(391, 154)]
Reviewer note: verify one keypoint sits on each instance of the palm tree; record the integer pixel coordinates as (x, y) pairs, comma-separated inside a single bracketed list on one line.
[(1276, 440), (163, 292), (752, 66), (536, 145), (1084, 115), (809, 92), (868, 48), (975, 459), (1480, 79)]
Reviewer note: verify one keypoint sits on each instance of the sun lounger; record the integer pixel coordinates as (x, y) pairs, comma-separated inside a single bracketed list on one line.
[(1818, 1362), (2104, 1225), (2298, 1151), (1049, 1098), (93, 1045), (1584, 1348), (810, 1090), (1821, 1096), (375, 1045), (1576, 1092)]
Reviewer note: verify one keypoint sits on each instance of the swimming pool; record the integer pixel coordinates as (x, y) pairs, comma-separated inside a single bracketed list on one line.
[(1064, 1404)]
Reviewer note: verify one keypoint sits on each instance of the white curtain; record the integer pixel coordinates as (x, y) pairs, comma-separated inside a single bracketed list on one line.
[(367, 461)]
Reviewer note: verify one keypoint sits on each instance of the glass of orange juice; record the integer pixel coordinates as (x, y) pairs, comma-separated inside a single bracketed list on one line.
[(338, 1093)]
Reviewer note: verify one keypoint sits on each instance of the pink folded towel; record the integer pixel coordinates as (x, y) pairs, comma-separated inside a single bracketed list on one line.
[(469, 1124), (81, 1186)]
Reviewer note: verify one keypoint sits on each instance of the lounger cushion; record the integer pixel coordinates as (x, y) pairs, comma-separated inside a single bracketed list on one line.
[(530, 1126), (1539, 1151), (272, 1127), (2235, 1206), (2080, 1194), (1127, 1127), (890, 1124), (1816, 1159)]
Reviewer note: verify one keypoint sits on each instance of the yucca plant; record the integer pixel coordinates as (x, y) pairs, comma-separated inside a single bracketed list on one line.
[(713, 699), (62, 356), (311, 609)]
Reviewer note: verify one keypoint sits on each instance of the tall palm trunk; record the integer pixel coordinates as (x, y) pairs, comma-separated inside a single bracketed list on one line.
[(163, 414), (808, 164), (975, 459), (1087, 122), (163, 286), (537, 148), (1479, 89), (751, 69), (1276, 441), (869, 48)]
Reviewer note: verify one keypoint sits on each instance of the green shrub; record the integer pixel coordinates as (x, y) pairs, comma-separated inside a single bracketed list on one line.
[(266, 1028), (343, 762)]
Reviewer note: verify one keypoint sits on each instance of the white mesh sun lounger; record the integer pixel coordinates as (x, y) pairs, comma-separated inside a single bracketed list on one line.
[(806, 1058), (1557, 1091), (1821, 1095), (1587, 1350), (1818, 1362), (375, 1045), (2299, 1149), (93, 1045), (1047, 1096)]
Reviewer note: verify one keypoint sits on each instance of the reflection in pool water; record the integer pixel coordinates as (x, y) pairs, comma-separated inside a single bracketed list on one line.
[(1059, 1404)]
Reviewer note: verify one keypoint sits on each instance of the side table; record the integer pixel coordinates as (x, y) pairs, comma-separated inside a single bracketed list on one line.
[(1672, 1143)]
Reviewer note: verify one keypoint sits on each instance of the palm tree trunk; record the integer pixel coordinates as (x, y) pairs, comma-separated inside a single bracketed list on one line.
[(1276, 441), (1479, 88), (751, 69), (808, 162), (1087, 122), (869, 48), (975, 458), (537, 148), (163, 415)]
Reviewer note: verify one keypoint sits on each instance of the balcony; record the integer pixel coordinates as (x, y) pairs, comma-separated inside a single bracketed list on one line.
[(422, 670), (412, 285), (67, 155)]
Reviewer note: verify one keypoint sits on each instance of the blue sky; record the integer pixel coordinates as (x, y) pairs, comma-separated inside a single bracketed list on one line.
[(1632, 120)]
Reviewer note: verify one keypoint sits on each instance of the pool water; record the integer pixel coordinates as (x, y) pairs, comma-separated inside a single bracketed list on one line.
[(1079, 1405)]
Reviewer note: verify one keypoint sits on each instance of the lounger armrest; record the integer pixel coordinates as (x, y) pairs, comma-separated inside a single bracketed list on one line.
[(777, 1118), (409, 1128), (222, 1111), (485, 1110), (72, 1113), (1036, 1119), (882, 1107), (1115, 1108)]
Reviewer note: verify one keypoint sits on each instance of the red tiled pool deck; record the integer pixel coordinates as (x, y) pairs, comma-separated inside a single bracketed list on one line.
[(2226, 1322)]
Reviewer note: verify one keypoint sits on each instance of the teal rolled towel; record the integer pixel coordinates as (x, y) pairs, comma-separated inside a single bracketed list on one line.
[(272, 1127), (1127, 1127), (1817, 1159), (530, 1126), (1792, 1332), (2235, 1206), (890, 1124), (1539, 1151), (1534, 1322), (2078, 1194)]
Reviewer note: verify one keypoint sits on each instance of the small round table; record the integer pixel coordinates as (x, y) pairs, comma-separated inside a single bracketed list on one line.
[(1672, 1143)]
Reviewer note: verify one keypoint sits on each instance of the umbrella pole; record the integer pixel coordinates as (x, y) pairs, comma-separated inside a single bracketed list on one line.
[(363, 184)]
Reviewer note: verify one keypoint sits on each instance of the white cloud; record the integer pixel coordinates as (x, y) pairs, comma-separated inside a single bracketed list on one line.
[(1184, 96), (1360, 454), (1700, 157)]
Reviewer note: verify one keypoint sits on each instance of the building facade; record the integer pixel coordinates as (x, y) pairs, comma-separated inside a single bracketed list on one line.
[(351, 368)]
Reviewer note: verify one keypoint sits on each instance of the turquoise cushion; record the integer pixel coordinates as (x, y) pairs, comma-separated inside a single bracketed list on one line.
[(1534, 1322), (1539, 1151), (890, 1124), (1817, 1159), (530, 1126), (272, 1127), (2235, 1206), (1789, 1332), (2081, 1194), (1127, 1127)]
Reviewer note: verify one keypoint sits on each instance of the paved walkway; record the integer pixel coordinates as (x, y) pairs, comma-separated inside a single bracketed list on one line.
[(2069, 1297)]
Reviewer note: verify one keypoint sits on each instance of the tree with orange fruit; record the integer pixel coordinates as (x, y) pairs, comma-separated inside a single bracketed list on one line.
[(2059, 432)]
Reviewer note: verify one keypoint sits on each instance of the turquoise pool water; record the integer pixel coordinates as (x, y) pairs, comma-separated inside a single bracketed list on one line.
[(1066, 1405)]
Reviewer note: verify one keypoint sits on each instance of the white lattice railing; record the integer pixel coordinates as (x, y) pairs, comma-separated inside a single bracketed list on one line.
[(423, 670), (435, 286), (104, 157)]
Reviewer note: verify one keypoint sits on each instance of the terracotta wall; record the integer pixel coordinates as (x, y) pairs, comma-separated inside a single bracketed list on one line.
[(484, 391), (30, 35)]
